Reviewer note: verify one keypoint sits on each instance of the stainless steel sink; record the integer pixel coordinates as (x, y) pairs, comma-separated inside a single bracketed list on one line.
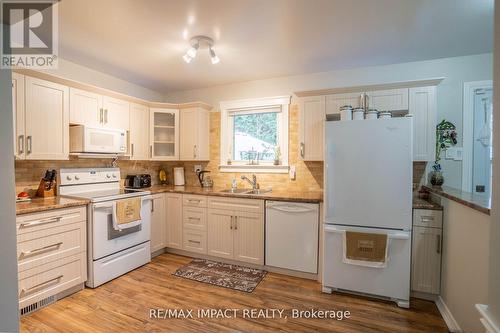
[(246, 191), (236, 190)]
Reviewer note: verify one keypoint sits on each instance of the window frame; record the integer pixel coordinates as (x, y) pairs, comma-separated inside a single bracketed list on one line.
[(227, 108)]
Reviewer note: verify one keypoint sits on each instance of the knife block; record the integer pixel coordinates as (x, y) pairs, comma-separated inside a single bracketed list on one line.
[(43, 193)]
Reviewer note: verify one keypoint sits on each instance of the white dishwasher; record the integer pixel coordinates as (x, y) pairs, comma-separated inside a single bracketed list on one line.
[(292, 235)]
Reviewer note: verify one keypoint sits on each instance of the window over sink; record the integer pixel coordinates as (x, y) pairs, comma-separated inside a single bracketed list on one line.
[(254, 135)]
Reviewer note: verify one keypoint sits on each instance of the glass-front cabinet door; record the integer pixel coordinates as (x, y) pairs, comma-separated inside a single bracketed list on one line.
[(164, 134)]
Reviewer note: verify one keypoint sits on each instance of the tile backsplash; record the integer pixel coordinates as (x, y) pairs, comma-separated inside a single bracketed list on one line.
[(309, 175)]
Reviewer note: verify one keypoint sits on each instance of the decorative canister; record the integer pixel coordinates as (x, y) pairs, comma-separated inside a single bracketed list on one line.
[(384, 115), (371, 114), (346, 112), (358, 114)]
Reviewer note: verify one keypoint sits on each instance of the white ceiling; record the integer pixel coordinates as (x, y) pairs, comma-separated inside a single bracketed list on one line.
[(143, 41)]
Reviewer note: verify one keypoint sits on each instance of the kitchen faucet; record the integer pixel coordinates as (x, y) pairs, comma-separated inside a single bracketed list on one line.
[(253, 182)]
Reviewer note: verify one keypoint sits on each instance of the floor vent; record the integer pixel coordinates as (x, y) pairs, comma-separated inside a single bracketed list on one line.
[(38, 305)]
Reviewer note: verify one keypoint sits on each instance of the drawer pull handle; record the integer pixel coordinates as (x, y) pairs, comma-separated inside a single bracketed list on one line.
[(194, 200), (24, 291), (427, 219), (193, 241), (194, 218), (51, 220), (30, 252)]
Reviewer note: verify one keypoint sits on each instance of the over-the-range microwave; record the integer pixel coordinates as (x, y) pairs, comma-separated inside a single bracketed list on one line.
[(84, 139)]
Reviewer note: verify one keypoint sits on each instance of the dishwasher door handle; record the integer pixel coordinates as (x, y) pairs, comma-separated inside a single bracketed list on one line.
[(291, 209)]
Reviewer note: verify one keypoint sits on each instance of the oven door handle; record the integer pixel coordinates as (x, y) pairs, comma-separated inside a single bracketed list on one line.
[(111, 205)]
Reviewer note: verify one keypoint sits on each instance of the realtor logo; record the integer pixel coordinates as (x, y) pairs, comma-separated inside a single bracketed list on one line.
[(29, 34)]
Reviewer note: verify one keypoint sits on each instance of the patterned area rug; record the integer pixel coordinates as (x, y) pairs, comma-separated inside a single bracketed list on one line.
[(222, 275)]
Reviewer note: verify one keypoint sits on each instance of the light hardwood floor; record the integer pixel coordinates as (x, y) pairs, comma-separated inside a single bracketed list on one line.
[(123, 304)]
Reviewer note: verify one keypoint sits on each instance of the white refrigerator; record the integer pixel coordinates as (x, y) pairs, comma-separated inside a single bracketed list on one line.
[(368, 188)]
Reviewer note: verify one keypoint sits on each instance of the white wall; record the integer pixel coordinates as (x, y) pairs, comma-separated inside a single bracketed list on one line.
[(465, 263), (9, 314), (449, 93), (494, 291), (76, 72)]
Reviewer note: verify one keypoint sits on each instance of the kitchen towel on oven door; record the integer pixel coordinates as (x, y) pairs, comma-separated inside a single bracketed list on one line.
[(365, 249), (127, 213)]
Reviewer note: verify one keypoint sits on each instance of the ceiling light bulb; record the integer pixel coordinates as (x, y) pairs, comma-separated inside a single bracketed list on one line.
[(192, 50), (215, 59), (187, 58)]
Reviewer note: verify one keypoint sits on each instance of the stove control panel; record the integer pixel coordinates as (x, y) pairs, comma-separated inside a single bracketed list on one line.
[(89, 176)]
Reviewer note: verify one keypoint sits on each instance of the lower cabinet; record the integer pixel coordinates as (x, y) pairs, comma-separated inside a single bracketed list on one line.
[(231, 228), (173, 206), (236, 229), (52, 254), (158, 223), (426, 252)]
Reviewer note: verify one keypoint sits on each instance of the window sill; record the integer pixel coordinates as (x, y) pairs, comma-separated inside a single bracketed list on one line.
[(254, 168)]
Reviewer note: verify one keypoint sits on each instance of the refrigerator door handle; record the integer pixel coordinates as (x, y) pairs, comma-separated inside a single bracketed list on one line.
[(395, 235)]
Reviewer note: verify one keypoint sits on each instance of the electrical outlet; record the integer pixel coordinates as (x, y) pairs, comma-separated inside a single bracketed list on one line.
[(197, 168), (292, 172)]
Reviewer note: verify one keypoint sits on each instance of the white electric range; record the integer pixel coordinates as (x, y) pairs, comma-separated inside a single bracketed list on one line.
[(111, 252)]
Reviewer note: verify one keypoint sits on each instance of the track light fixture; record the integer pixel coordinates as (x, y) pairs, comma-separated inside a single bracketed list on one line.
[(198, 42)]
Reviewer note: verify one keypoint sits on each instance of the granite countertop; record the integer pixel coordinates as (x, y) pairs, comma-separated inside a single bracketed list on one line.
[(419, 203), (472, 200), (279, 195), (43, 204)]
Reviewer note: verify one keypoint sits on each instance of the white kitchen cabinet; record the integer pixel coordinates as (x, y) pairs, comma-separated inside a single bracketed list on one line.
[(235, 229), (164, 134), (312, 124), (388, 100), (422, 105), (85, 108), (115, 113), (158, 223), (426, 251), (18, 115), (139, 132), (335, 101), (94, 110), (47, 120), (220, 233), (194, 134), (173, 207), (249, 237)]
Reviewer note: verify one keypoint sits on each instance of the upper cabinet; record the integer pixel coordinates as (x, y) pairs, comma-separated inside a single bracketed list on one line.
[(419, 102), (422, 105), (335, 101), (388, 100), (164, 134), (312, 124), (18, 115), (139, 132), (85, 108), (115, 113), (194, 134), (94, 110), (46, 120)]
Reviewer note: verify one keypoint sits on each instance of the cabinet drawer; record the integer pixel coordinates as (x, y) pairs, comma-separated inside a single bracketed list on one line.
[(43, 281), (195, 218), (237, 204), (194, 200), (428, 218), (46, 220), (195, 241), (38, 248)]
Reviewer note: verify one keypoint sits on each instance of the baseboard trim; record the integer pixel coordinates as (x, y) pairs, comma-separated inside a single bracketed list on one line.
[(447, 316)]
